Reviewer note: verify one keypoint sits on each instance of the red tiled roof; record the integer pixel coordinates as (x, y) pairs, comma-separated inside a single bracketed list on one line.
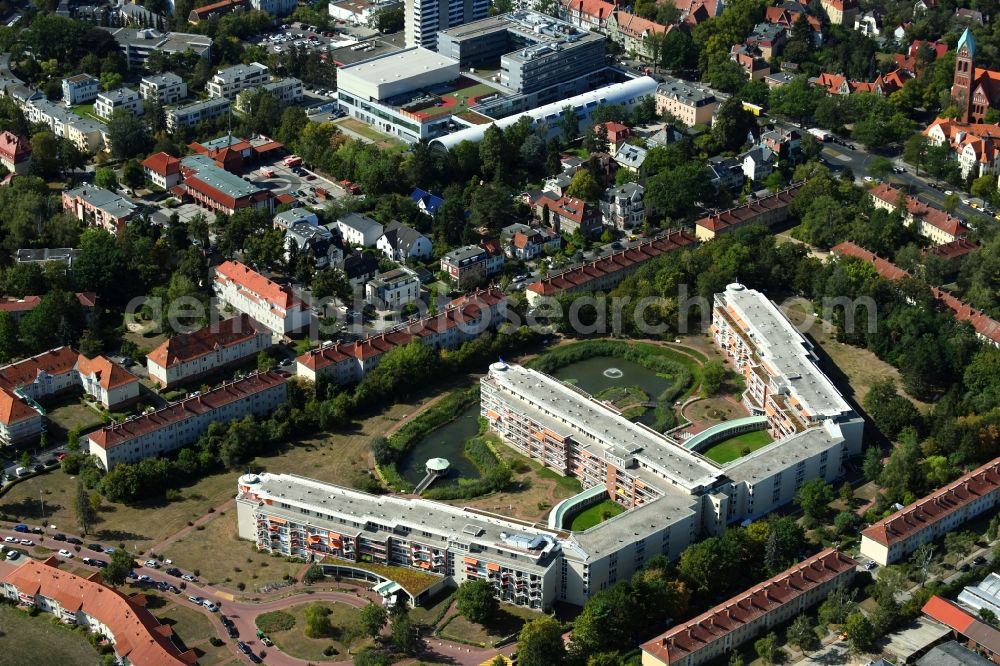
[(918, 209), (938, 505), (689, 637), (598, 9), (54, 362), (249, 279), (26, 304), (883, 267), (139, 636), (955, 249), (13, 147), (162, 163), (636, 26), (947, 613), (109, 375), (223, 5), (206, 340), (748, 212), (463, 309), (121, 433), (14, 409), (983, 324), (580, 276)]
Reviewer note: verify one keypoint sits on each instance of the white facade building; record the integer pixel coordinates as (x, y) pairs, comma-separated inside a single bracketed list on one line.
[(231, 81), (121, 98), (249, 292), (166, 88), (360, 230), (393, 290), (80, 89), (424, 18), (182, 423)]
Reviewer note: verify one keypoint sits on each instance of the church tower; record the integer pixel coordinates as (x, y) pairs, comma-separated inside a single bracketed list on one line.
[(965, 73)]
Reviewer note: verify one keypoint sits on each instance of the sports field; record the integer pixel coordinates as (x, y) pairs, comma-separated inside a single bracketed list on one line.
[(463, 95)]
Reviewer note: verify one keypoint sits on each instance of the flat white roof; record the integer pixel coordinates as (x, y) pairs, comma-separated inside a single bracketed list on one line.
[(399, 65)]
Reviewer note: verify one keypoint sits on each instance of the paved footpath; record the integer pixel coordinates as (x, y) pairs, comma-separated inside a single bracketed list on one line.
[(244, 612)]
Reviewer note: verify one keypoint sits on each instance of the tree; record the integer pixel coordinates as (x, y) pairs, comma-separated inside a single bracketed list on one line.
[(879, 166), (404, 633), (331, 282), (475, 600), (988, 616), (25, 459), (85, 514), (491, 207), (767, 648), (9, 345), (118, 568), (732, 124), (569, 125), (133, 175), (584, 186), (110, 81), (713, 374), (797, 99), (890, 411), (313, 574), (872, 465), (265, 362), (860, 632), (735, 659), (370, 656), (44, 154), (317, 621), (106, 178), (373, 620), (540, 643), (128, 135), (915, 150), (802, 633), (814, 498)]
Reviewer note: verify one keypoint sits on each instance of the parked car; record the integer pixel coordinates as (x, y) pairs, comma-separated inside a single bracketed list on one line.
[(60, 537), (74, 541), (172, 571), (244, 648), (196, 599), (109, 550), (152, 564), (189, 578), (96, 547), (10, 539), (27, 542), (65, 553), (20, 527), (13, 554), (211, 606), (979, 560)]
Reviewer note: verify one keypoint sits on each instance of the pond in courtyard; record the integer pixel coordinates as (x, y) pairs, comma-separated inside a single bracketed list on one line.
[(601, 373), (448, 442)]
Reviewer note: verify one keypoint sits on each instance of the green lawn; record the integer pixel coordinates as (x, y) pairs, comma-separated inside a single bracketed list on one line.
[(22, 635), (345, 633), (730, 449), (595, 515), (86, 111), (506, 621)]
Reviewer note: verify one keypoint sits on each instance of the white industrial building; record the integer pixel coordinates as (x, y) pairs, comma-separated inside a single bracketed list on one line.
[(373, 90)]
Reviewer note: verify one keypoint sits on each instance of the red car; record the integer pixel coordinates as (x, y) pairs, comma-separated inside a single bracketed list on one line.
[(61, 456)]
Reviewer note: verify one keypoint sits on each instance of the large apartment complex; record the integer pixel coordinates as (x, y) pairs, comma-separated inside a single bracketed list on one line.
[(190, 356), (894, 538), (181, 423), (673, 495), (249, 292), (231, 81)]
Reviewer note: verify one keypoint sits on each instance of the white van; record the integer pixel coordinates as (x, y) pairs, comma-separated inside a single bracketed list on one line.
[(22, 471)]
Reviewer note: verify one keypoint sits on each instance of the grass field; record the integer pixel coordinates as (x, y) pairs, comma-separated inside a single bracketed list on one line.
[(508, 620), (346, 633), (199, 549), (70, 413), (596, 514), (458, 100), (22, 635), (732, 448), (337, 458), (194, 631), (380, 139)]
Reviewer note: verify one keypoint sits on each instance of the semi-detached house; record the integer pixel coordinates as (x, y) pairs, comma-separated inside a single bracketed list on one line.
[(249, 292), (190, 356), (181, 423)]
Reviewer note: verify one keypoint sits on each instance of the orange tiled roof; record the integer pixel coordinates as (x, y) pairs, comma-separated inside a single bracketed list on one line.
[(121, 433), (109, 375), (188, 346), (162, 163), (883, 267), (682, 640), (251, 280), (54, 362), (598, 9), (139, 636), (13, 409), (918, 209), (748, 212)]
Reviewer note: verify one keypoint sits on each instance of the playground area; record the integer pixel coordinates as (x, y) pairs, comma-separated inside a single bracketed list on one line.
[(453, 99)]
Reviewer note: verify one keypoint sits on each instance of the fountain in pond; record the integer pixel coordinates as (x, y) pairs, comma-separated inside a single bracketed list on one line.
[(613, 373)]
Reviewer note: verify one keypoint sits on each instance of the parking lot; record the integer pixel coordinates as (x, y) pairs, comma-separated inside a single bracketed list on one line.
[(298, 182)]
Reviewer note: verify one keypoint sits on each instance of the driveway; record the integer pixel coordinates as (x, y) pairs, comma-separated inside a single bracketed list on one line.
[(244, 612)]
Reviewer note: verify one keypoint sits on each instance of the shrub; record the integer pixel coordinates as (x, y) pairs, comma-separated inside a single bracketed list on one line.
[(241, 586), (275, 621), (173, 495)]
